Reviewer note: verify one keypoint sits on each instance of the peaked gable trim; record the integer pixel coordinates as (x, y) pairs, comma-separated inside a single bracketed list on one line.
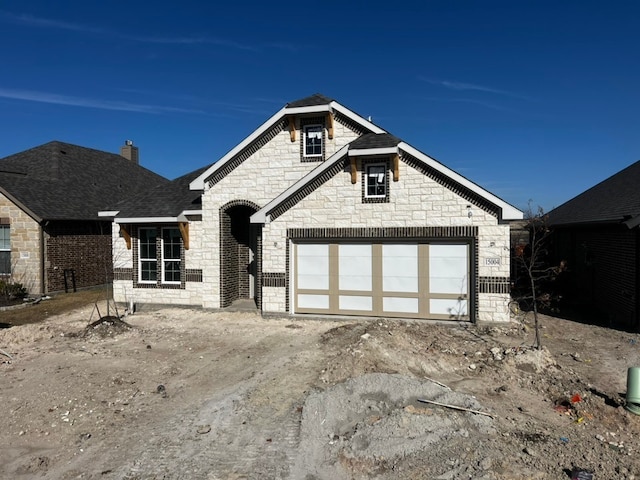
[(418, 160), (269, 130), (297, 191), (506, 210)]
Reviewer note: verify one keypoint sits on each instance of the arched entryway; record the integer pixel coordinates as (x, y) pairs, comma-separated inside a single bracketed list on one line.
[(238, 253)]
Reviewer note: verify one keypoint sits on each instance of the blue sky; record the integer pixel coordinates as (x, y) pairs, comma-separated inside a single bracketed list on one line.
[(533, 100)]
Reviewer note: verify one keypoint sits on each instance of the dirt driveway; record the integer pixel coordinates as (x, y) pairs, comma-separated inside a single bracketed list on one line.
[(190, 394)]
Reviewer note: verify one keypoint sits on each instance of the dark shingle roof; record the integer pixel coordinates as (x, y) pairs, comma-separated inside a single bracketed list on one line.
[(167, 200), (611, 201), (61, 181), (375, 140), (313, 100)]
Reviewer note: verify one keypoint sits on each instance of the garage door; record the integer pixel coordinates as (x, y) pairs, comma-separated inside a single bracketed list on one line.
[(413, 279)]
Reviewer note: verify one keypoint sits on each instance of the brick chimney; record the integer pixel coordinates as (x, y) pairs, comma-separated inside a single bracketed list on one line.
[(130, 152)]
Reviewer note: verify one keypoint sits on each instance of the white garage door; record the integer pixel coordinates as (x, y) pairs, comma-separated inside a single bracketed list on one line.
[(413, 279)]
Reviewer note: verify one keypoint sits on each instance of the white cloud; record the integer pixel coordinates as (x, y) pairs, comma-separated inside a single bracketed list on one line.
[(57, 99)]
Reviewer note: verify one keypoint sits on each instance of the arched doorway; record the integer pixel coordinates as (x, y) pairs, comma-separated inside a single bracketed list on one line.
[(238, 252)]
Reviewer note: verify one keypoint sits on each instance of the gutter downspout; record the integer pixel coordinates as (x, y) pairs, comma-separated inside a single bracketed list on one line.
[(42, 261)]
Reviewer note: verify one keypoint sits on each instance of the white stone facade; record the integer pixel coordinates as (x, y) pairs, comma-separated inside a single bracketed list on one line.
[(416, 200)]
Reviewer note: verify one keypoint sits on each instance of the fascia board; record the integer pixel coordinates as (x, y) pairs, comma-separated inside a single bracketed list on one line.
[(261, 215), (147, 220), (192, 212), (509, 212), (361, 152), (356, 118), (310, 109), (108, 213), (198, 183)]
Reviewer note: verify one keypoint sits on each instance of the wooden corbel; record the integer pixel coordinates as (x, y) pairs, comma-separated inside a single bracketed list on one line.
[(124, 231), (354, 170), (396, 167), (184, 231), (292, 127), (330, 125)]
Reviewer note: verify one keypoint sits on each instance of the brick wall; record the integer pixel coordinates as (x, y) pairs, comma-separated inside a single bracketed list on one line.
[(89, 256), (602, 273)]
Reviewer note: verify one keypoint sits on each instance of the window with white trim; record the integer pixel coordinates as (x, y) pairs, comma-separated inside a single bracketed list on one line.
[(171, 255), (5, 250), (313, 138), (376, 180), (147, 256)]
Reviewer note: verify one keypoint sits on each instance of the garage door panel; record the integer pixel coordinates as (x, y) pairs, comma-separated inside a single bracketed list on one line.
[(353, 302), (401, 305), (313, 266), (354, 265), (313, 301), (400, 268), (448, 306)]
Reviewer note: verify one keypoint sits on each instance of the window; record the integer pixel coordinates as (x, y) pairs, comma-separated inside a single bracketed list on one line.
[(171, 255), (148, 263), (376, 181), (5, 250), (312, 138)]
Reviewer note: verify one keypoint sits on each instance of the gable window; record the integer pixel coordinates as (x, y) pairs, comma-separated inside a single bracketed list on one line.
[(313, 139), (376, 181), (147, 260), (5, 250), (171, 255)]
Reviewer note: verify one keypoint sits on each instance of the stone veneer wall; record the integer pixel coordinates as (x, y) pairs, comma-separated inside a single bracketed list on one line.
[(26, 254), (416, 200), (262, 174), (190, 293)]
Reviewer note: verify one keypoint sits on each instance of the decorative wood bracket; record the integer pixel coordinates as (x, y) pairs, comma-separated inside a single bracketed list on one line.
[(292, 127), (396, 167), (184, 231), (124, 231), (354, 171), (330, 125)]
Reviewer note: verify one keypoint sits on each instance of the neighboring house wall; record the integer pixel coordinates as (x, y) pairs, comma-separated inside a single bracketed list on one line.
[(262, 176), (78, 254), (26, 255), (414, 201), (125, 285), (602, 270)]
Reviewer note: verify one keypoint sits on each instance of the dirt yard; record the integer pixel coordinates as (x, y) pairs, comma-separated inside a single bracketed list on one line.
[(190, 394)]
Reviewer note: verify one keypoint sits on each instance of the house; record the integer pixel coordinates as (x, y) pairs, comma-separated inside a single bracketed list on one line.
[(597, 233), (51, 237), (319, 211)]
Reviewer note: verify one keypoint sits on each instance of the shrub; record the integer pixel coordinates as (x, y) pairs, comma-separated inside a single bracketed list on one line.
[(12, 291)]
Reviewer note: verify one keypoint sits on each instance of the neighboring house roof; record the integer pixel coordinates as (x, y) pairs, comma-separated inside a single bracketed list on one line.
[(614, 200), (384, 143), (61, 181), (167, 201)]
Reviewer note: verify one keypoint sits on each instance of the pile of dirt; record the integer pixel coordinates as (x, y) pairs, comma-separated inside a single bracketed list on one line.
[(185, 393)]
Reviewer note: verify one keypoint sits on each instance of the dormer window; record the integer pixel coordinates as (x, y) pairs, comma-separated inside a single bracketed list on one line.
[(375, 182), (313, 140)]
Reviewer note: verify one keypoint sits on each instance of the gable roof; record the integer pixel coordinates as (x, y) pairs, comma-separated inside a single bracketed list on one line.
[(316, 103), (61, 181), (167, 202), (376, 144), (614, 200)]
